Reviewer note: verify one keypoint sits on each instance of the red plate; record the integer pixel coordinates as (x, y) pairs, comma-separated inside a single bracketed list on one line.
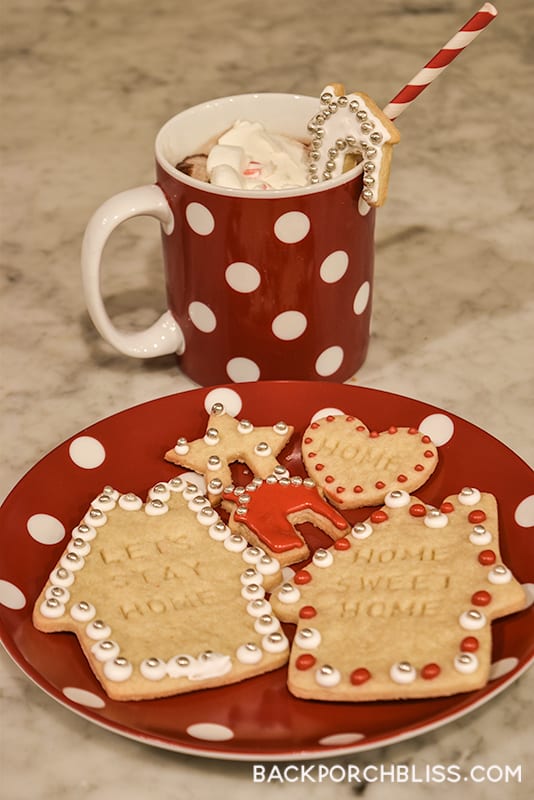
[(257, 719)]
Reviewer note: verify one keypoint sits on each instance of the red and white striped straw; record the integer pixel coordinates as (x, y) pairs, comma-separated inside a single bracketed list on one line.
[(441, 60)]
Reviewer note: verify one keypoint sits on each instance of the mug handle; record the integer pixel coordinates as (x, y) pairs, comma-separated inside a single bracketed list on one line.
[(165, 335)]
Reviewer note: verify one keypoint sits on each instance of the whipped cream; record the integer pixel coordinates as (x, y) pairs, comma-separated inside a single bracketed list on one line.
[(249, 157)]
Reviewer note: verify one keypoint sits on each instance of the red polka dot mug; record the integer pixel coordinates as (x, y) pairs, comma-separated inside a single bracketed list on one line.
[(261, 284)]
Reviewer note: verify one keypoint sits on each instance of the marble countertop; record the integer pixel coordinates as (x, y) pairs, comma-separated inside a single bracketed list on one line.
[(86, 85)]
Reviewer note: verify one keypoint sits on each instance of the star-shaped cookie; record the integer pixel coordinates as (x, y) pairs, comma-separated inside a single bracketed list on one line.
[(226, 441)]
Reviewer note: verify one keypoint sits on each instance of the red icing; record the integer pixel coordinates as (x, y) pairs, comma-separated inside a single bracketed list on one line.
[(469, 644), (342, 544), (305, 661), (270, 507), (418, 510), (378, 516), (308, 440), (350, 419), (357, 489), (302, 576), (330, 418), (428, 454), (340, 489), (359, 676), (374, 434), (476, 516), (329, 479), (418, 468), (412, 430), (312, 455), (319, 467), (392, 429), (402, 478), (307, 612), (430, 671), (446, 508), (426, 439), (487, 557), (314, 426), (360, 427), (380, 484), (481, 598)]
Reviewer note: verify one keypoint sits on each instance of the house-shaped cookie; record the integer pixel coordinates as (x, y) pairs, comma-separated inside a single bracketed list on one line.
[(401, 607), (163, 598)]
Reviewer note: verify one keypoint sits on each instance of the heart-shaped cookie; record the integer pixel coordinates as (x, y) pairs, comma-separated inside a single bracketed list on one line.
[(356, 467)]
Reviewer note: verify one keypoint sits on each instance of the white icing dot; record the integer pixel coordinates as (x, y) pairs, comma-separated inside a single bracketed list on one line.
[(524, 513), (361, 298), (466, 663), (87, 452), (323, 558), (45, 529), (192, 478), (472, 621), (334, 266), (289, 325), (210, 732), (275, 642), (105, 650), (397, 498), (83, 697), (117, 670), (433, 520), (200, 219), (439, 427), (289, 596), (130, 502), (402, 673), (499, 575), (292, 227), (469, 496), (327, 412), (153, 668), (502, 667), (257, 608), (266, 624), (228, 398), (11, 596), (241, 370), (267, 565), (329, 361), (235, 544), (341, 738), (249, 654), (202, 317), (327, 676), (155, 508), (362, 530), (308, 638), (242, 277)]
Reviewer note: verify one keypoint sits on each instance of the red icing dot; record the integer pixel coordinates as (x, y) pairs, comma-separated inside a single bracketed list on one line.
[(357, 489), (418, 510), (314, 426), (308, 440), (430, 671), (342, 544), (307, 612), (330, 479), (305, 661), (428, 454), (319, 467), (302, 576), (359, 676), (380, 484), (330, 418), (401, 478), (481, 598), (487, 557), (426, 439), (379, 516), (374, 434), (418, 468), (360, 427), (392, 429), (469, 644), (446, 508), (340, 489), (350, 419), (412, 431), (476, 516), (312, 455)]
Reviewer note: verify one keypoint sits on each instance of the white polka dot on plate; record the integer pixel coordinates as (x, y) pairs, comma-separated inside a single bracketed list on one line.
[(334, 266), (241, 370), (439, 427), (341, 739), (362, 298), (11, 596), (326, 412), (227, 397), (242, 277), (200, 219), (198, 480), (502, 667), (83, 697), (329, 361), (524, 513), (292, 227), (45, 528), (289, 325), (202, 317), (87, 452), (210, 732), (529, 591)]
